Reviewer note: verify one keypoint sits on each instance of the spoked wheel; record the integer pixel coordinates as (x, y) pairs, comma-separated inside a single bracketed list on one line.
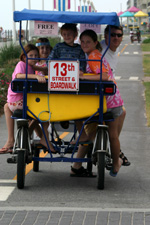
[(101, 144), (36, 163), (22, 156), (21, 169)]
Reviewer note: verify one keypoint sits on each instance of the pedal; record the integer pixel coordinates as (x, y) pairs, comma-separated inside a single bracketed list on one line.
[(12, 160)]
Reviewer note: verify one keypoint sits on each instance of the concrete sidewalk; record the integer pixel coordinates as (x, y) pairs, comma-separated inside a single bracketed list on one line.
[(73, 217)]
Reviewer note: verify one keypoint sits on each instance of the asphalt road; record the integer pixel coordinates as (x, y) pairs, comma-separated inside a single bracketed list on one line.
[(125, 199)]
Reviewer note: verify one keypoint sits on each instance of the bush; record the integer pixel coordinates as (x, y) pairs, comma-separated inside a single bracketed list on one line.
[(8, 53), (4, 83), (146, 41)]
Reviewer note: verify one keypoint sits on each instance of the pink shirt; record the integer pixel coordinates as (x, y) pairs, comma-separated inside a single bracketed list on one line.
[(41, 65), (20, 68), (112, 100)]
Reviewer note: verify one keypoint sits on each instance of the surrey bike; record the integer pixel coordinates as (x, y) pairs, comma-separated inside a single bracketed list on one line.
[(76, 100)]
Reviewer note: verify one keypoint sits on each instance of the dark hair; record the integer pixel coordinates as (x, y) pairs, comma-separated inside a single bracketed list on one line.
[(69, 26), (114, 27), (92, 34), (28, 48)]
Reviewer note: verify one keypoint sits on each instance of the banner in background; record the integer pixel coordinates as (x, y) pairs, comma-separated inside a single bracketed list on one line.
[(45, 28), (84, 8), (62, 5), (95, 27)]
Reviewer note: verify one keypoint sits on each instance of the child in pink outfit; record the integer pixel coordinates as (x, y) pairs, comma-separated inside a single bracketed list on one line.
[(15, 100)]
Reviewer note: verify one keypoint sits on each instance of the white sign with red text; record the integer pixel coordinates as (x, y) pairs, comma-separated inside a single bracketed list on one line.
[(63, 75)]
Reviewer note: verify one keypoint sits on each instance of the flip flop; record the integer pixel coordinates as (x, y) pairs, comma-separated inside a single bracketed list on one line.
[(41, 146), (112, 173), (6, 150)]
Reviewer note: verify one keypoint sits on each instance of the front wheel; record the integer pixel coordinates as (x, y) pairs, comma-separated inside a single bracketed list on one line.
[(21, 169), (101, 145), (22, 150)]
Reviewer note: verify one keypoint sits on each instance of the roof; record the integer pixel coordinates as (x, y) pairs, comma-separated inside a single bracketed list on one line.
[(67, 17), (127, 14)]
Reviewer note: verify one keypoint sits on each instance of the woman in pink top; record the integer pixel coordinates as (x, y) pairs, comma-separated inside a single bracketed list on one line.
[(15, 100), (92, 48)]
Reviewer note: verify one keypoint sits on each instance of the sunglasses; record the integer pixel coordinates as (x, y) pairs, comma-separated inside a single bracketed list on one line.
[(114, 35)]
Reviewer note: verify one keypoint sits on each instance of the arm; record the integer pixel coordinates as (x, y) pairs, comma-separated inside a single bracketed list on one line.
[(44, 70), (94, 77), (40, 79)]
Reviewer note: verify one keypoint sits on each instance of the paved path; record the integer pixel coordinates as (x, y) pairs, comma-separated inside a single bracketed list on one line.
[(125, 201)]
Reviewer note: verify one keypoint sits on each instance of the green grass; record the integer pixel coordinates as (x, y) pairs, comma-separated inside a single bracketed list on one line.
[(145, 47), (146, 64), (147, 97)]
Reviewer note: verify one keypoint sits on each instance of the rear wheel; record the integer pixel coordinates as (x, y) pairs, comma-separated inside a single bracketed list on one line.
[(36, 163), (22, 156), (101, 145)]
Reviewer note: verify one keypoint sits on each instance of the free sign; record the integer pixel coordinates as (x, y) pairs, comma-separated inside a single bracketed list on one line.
[(63, 75)]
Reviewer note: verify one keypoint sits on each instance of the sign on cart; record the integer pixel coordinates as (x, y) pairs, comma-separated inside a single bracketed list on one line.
[(63, 75)]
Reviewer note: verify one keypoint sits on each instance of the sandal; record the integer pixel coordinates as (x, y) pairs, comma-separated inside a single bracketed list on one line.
[(125, 161), (81, 172), (6, 150)]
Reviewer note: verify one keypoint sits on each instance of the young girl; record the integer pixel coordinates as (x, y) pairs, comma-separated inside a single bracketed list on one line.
[(91, 47), (15, 100), (44, 48)]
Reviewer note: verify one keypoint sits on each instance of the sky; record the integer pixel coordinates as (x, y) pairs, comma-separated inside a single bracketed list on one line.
[(6, 9)]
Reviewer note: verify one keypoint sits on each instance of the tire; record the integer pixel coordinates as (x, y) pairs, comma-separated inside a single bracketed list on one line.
[(89, 155), (101, 145), (36, 163), (22, 154)]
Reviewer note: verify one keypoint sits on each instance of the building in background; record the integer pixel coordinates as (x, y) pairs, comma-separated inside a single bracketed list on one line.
[(144, 6)]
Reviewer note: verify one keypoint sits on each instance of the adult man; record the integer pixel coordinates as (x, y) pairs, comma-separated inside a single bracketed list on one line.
[(116, 35)]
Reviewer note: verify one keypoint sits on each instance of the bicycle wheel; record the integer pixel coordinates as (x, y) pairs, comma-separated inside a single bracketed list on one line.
[(22, 154), (36, 163), (101, 145)]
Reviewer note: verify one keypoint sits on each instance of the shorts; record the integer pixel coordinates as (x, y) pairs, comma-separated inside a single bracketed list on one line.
[(15, 105), (91, 127), (116, 112)]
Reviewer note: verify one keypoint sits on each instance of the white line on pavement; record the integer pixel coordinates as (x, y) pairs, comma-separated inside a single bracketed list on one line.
[(133, 78), (5, 191), (7, 181)]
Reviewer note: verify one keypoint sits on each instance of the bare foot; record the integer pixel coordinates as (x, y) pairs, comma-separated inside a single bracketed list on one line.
[(50, 145), (116, 167)]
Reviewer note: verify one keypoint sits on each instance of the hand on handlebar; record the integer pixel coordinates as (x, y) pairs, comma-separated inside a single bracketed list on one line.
[(41, 79)]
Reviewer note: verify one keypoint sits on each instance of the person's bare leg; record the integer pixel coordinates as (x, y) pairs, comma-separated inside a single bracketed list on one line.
[(121, 121), (10, 127), (34, 125), (114, 143), (83, 136), (43, 141), (82, 151)]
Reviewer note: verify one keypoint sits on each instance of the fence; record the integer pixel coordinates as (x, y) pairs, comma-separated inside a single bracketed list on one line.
[(7, 35)]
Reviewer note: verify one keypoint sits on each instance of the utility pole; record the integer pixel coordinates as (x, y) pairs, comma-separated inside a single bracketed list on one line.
[(42, 4), (29, 6), (75, 5), (14, 24)]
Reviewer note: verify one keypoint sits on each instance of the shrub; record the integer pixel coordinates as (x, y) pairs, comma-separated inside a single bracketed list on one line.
[(146, 41), (4, 83), (8, 53)]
